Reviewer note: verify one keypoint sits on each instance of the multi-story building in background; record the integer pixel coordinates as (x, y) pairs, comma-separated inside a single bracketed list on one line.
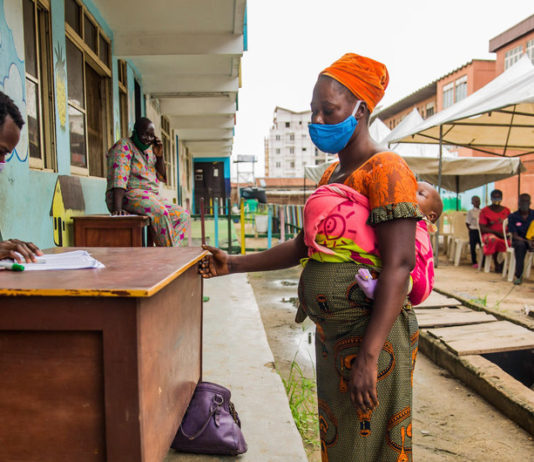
[(513, 43), (509, 47), (441, 93), (289, 148)]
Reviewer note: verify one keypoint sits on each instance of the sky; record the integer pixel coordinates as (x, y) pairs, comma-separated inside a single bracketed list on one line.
[(291, 41)]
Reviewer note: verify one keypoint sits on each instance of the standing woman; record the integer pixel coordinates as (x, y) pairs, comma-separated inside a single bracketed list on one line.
[(365, 351), (135, 168)]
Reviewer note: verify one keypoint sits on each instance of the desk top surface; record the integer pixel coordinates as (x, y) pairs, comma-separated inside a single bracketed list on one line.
[(129, 272), (98, 217)]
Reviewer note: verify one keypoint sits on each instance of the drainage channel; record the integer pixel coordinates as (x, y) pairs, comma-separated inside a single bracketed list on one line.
[(491, 356)]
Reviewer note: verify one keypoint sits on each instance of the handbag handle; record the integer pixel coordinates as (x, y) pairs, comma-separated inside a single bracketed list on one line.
[(218, 400)]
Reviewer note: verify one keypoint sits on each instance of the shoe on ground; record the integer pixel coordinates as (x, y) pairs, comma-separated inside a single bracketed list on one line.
[(517, 281), (475, 266)]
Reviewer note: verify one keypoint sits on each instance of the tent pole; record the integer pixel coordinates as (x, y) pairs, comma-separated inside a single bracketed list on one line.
[(519, 182), (436, 250)]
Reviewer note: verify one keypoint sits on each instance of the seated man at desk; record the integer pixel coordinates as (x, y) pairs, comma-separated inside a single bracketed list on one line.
[(135, 167), (11, 122)]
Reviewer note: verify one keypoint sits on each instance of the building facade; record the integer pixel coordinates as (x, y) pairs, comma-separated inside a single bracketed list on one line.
[(441, 93), (82, 72), (289, 148), (508, 47)]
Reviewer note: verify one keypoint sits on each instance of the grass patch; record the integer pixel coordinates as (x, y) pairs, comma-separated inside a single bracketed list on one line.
[(302, 397), (481, 300)]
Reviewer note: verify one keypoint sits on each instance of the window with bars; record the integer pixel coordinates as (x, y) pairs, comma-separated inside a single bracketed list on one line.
[(89, 90), (430, 109), (39, 85), (123, 97), (168, 152), (512, 56), (530, 50), (448, 95), (460, 91)]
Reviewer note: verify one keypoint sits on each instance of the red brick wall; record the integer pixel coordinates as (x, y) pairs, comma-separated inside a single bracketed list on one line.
[(502, 51)]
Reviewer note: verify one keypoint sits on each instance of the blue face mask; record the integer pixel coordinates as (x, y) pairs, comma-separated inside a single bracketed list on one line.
[(333, 138)]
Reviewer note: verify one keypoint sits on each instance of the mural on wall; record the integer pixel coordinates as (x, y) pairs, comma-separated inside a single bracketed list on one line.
[(67, 202), (12, 72), (61, 88)]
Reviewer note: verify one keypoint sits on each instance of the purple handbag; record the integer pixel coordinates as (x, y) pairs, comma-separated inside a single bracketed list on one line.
[(211, 424)]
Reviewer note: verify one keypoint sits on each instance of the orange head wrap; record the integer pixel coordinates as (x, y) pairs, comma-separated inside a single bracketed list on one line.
[(366, 78)]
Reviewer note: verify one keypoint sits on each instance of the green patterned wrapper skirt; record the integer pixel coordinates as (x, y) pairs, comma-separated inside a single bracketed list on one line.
[(330, 296)]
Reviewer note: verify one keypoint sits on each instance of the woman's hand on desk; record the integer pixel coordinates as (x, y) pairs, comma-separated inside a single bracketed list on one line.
[(13, 247), (216, 264)]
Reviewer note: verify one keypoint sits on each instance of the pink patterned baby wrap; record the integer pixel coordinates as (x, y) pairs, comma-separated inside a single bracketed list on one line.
[(423, 273), (336, 230)]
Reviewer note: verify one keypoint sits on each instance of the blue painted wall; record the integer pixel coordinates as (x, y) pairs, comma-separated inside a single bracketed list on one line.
[(26, 194)]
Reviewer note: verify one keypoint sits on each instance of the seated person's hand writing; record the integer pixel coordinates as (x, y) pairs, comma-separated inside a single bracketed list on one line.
[(13, 247)]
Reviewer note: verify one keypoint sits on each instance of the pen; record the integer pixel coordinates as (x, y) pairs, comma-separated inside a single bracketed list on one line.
[(11, 266)]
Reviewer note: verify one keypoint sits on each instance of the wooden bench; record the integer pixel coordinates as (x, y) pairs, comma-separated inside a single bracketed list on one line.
[(111, 231)]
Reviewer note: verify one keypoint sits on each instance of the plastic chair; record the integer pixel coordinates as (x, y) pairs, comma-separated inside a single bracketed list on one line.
[(529, 259), (480, 254), (460, 235), (444, 233), (508, 266)]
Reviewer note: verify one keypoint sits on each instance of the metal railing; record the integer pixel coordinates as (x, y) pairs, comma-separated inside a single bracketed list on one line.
[(282, 221)]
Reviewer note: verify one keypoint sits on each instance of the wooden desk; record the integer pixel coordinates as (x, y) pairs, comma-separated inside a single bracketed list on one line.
[(109, 231), (99, 365)]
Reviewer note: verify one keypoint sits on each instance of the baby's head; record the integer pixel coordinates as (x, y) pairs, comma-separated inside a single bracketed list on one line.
[(429, 201)]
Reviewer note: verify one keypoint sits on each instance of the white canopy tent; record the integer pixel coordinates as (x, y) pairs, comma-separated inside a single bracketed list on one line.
[(412, 120), (459, 174)]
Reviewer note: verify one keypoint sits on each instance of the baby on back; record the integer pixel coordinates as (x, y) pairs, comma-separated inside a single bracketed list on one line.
[(422, 276), (336, 230)]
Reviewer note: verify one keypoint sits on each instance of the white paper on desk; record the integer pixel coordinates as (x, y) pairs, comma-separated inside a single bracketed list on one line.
[(77, 259)]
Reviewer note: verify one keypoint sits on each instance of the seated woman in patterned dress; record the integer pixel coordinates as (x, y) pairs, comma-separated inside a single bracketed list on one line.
[(135, 168)]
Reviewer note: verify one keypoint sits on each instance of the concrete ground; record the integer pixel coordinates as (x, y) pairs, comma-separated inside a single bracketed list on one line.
[(236, 354)]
